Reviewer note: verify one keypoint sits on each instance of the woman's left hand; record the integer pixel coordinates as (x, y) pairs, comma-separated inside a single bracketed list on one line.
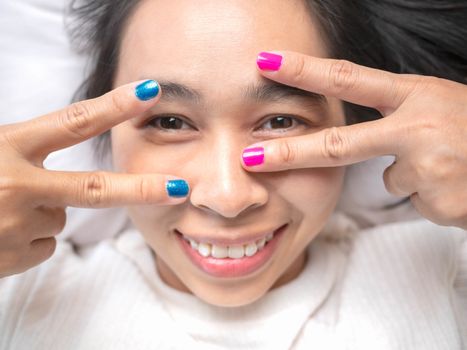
[(424, 127)]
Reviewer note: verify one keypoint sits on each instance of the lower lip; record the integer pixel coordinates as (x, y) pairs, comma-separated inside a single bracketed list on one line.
[(228, 267)]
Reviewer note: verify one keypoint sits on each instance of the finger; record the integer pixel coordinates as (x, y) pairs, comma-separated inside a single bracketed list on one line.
[(83, 120), (41, 250), (47, 222), (338, 78), (336, 146), (19, 261), (35, 224), (398, 179), (105, 189)]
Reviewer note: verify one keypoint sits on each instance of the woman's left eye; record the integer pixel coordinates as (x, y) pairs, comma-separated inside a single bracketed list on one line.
[(169, 123), (281, 122)]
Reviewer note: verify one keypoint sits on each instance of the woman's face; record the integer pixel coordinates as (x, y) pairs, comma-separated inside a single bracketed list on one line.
[(214, 104)]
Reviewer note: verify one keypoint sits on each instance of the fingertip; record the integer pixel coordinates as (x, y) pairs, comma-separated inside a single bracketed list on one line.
[(147, 90), (269, 61), (177, 188), (253, 156)]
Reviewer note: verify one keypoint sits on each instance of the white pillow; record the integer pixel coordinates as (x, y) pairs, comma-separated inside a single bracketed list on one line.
[(39, 74)]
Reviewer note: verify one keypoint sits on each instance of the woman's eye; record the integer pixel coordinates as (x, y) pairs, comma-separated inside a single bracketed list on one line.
[(281, 123), (168, 123)]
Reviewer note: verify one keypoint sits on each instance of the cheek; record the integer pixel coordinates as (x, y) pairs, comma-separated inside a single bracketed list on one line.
[(312, 191), (136, 155)]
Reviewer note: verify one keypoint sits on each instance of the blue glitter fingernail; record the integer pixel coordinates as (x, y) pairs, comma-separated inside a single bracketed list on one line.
[(177, 188), (147, 90)]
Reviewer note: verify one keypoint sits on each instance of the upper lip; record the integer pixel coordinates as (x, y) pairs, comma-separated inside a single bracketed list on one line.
[(234, 238)]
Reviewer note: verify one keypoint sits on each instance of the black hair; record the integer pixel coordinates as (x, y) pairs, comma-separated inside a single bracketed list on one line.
[(426, 37)]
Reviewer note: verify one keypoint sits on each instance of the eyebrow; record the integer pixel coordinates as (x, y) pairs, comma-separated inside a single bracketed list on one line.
[(266, 91), (176, 91), (270, 91)]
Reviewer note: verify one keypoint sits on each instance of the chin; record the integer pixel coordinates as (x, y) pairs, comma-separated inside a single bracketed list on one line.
[(227, 298)]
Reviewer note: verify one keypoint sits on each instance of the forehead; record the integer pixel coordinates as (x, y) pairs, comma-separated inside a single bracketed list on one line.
[(192, 41)]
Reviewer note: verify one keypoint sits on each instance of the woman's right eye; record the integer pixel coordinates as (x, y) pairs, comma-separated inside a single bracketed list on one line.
[(168, 123)]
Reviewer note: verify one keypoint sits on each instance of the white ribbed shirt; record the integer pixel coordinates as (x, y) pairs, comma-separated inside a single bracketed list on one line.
[(394, 286)]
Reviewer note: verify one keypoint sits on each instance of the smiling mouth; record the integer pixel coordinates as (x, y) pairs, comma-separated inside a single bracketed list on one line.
[(229, 251), (232, 260), (224, 249)]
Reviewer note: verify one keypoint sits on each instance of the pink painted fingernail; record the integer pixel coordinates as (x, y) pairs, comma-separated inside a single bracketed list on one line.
[(253, 156), (269, 61)]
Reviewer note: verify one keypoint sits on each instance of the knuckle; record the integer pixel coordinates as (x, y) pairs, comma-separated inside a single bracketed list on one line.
[(9, 187), (300, 69), (10, 138), (442, 170), (287, 152), (399, 89), (9, 227), (343, 75), (94, 188), (334, 146), (145, 187), (428, 125), (424, 167), (77, 119), (119, 103)]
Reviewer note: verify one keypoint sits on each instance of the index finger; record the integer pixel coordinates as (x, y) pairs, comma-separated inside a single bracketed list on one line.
[(331, 147), (83, 120), (101, 189), (338, 78)]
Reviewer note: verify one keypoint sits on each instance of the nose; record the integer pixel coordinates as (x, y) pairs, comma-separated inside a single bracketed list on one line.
[(222, 186)]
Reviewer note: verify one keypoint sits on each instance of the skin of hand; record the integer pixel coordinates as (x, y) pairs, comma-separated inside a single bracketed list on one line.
[(424, 127), (33, 199)]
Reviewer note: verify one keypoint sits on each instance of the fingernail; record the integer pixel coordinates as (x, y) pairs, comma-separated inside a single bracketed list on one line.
[(253, 156), (147, 90), (269, 61), (177, 188)]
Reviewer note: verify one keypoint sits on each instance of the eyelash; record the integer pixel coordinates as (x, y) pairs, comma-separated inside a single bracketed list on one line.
[(156, 122), (153, 123)]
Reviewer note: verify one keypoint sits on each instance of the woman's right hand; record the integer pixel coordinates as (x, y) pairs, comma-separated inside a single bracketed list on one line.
[(33, 199)]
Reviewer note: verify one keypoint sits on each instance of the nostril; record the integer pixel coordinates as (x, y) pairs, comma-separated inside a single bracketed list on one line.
[(253, 206), (202, 206), (213, 210), (230, 198)]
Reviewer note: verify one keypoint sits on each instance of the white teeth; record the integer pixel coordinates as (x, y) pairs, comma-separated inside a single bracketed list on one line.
[(204, 249), (236, 252), (233, 252), (219, 252), (260, 243), (193, 244), (251, 249)]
